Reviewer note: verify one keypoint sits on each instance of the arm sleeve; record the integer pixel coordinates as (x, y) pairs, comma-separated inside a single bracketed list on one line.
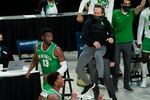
[(109, 29), (109, 10), (82, 5), (91, 6), (63, 67), (85, 30), (140, 29)]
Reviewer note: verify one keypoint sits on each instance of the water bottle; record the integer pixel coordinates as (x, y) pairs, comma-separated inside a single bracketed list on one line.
[(42, 12)]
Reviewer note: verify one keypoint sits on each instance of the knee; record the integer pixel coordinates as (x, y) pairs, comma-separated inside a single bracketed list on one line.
[(144, 60)]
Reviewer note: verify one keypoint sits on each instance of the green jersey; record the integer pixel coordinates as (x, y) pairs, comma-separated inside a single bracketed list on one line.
[(52, 91), (103, 3), (49, 63), (122, 24)]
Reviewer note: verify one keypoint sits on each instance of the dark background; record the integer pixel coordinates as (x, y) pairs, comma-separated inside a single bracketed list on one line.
[(21, 7)]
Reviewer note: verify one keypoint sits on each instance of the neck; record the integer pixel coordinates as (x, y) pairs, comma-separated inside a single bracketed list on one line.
[(45, 46), (123, 11), (56, 88)]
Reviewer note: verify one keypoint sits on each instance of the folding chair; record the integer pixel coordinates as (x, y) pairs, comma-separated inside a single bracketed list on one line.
[(25, 47), (67, 79)]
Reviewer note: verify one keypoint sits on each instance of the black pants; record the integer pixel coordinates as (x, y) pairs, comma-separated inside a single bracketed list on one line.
[(107, 78)]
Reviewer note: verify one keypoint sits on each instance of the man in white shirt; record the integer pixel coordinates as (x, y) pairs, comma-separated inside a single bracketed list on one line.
[(144, 25)]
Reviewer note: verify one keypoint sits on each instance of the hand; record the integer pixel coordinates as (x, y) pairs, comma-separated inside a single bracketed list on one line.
[(112, 64), (110, 40), (97, 45), (74, 95), (100, 97), (138, 45), (27, 75), (80, 18), (142, 4)]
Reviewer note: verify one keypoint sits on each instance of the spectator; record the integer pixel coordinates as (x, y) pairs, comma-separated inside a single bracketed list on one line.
[(122, 24), (5, 53), (48, 7)]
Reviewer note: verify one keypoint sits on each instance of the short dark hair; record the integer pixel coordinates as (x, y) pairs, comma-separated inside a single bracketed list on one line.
[(122, 1), (46, 30), (52, 77), (100, 6)]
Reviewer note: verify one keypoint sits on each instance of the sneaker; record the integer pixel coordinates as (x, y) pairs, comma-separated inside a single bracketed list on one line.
[(128, 88), (88, 88), (115, 98), (144, 83)]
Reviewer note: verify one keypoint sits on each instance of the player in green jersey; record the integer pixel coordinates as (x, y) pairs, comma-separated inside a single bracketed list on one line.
[(57, 82), (49, 55), (144, 29)]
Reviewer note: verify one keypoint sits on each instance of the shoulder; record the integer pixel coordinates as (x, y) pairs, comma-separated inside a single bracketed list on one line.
[(58, 50), (53, 97), (116, 11), (146, 10), (89, 19)]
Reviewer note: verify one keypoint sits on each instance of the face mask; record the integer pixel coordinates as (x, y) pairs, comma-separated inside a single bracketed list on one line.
[(98, 17), (126, 8)]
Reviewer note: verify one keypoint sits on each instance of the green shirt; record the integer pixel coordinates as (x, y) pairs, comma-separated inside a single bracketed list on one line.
[(49, 63), (122, 24), (52, 91)]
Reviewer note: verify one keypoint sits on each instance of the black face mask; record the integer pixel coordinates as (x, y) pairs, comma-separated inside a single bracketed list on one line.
[(97, 18), (126, 8)]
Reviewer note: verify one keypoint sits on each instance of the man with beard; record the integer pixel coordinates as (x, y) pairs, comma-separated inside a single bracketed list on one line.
[(97, 32), (122, 24), (144, 25), (49, 55)]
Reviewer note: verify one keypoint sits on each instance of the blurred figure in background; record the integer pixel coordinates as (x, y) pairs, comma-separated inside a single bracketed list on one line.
[(89, 5), (5, 53), (48, 7)]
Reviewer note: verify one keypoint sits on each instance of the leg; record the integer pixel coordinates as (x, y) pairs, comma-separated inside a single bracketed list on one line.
[(83, 60), (108, 80), (94, 77), (145, 57), (115, 69), (126, 51), (99, 53)]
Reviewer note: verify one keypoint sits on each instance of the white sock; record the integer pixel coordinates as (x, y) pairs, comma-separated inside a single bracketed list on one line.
[(144, 70)]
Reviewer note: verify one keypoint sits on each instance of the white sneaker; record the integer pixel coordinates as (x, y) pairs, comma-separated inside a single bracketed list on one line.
[(144, 83)]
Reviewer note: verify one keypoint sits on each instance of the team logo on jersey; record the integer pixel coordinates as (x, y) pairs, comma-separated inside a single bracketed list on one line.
[(103, 3)]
